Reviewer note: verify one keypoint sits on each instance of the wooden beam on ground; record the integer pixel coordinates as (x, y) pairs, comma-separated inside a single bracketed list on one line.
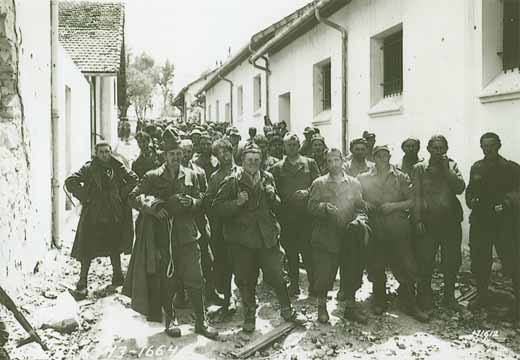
[(264, 340)]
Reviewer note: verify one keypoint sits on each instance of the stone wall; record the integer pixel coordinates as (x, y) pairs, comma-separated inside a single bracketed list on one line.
[(25, 128), (14, 146)]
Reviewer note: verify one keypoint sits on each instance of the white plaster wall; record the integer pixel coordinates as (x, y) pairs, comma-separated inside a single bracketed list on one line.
[(243, 76), (442, 55), (80, 113)]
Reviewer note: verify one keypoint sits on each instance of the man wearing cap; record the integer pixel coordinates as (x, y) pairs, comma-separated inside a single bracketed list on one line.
[(148, 158), (234, 138), (438, 215), (410, 147), (492, 195), (387, 191), (166, 252), (105, 225), (293, 176), (246, 202), (339, 231), (306, 148), (371, 142), (203, 157), (195, 138), (358, 163), (207, 260), (223, 150), (267, 160), (319, 148)]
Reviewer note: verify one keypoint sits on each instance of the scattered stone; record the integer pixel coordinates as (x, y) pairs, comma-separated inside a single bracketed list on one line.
[(401, 346)]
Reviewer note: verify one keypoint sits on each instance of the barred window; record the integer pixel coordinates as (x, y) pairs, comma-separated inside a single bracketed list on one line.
[(393, 64), (511, 35)]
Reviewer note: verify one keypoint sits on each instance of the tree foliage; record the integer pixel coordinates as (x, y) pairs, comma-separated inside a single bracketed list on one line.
[(143, 76)]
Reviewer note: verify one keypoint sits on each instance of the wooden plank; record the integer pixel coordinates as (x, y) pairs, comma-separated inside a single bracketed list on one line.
[(265, 340)]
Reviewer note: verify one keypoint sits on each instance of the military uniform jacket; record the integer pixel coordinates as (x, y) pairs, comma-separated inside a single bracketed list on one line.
[(436, 192), (158, 188), (253, 224), (493, 183), (290, 178), (329, 229)]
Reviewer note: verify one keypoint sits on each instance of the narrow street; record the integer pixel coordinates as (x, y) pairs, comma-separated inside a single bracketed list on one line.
[(110, 329)]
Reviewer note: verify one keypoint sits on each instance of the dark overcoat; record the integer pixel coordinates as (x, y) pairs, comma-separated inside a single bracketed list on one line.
[(105, 226)]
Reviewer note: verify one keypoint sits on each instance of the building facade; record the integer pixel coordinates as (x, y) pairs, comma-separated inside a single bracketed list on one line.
[(26, 135)]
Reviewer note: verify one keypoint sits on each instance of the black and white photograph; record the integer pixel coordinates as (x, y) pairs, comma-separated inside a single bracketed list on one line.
[(263, 180)]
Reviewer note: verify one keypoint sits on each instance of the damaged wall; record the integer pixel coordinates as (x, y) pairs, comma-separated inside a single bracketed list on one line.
[(25, 157)]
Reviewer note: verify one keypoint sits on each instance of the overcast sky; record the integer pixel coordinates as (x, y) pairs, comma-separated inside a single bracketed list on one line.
[(194, 34)]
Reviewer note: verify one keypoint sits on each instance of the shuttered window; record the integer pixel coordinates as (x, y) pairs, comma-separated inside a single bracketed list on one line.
[(511, 36), (326, 86), (393, 64)]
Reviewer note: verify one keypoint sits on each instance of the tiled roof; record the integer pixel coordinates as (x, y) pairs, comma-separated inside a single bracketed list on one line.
[(92, 32)]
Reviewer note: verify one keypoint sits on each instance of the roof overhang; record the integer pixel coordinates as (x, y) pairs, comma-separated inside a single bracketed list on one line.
[(302, 25)]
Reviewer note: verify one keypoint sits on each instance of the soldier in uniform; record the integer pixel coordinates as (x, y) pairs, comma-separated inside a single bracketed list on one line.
[(267, 160), (207, 259), (339, 232), (166, 252), (148, 158), (306, 148), (246, 203), (438, 215), (387, 191), (223, 269), (371, 142), (105, 226), (358, 162), (203, 157), (319, 148), (410, 147), (276, 147), (293, 176), (493, 186)]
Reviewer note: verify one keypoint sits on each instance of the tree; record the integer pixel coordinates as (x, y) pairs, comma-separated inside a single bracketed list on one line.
[(142, 77), (165, 80)]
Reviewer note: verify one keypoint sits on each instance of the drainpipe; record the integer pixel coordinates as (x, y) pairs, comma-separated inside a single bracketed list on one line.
[(344, 59), (267, 73), (230, 97), (56, 130)]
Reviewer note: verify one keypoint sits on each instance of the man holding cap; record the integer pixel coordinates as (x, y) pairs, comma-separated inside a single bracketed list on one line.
[(387, 191), (337, 206), (166, 251), (246, 203), (293, 176)]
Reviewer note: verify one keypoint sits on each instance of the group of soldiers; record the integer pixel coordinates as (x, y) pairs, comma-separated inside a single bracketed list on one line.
[(213, 207)]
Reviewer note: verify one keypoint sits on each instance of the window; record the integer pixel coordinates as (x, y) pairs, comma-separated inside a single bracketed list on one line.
[(227, 113), (257, 92), (322, 87), (240, 102), (284, 109), (511, 35), (217, 111), (393, 64)]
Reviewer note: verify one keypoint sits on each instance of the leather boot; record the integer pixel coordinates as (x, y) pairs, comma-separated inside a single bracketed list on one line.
[(294, 286), (425, 296), (354, 312), (379, 300), (201, 326), (171, 331), (448, 300), (482, 299), (323, 315), (286, 310), (247, 297), (117, 274)]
